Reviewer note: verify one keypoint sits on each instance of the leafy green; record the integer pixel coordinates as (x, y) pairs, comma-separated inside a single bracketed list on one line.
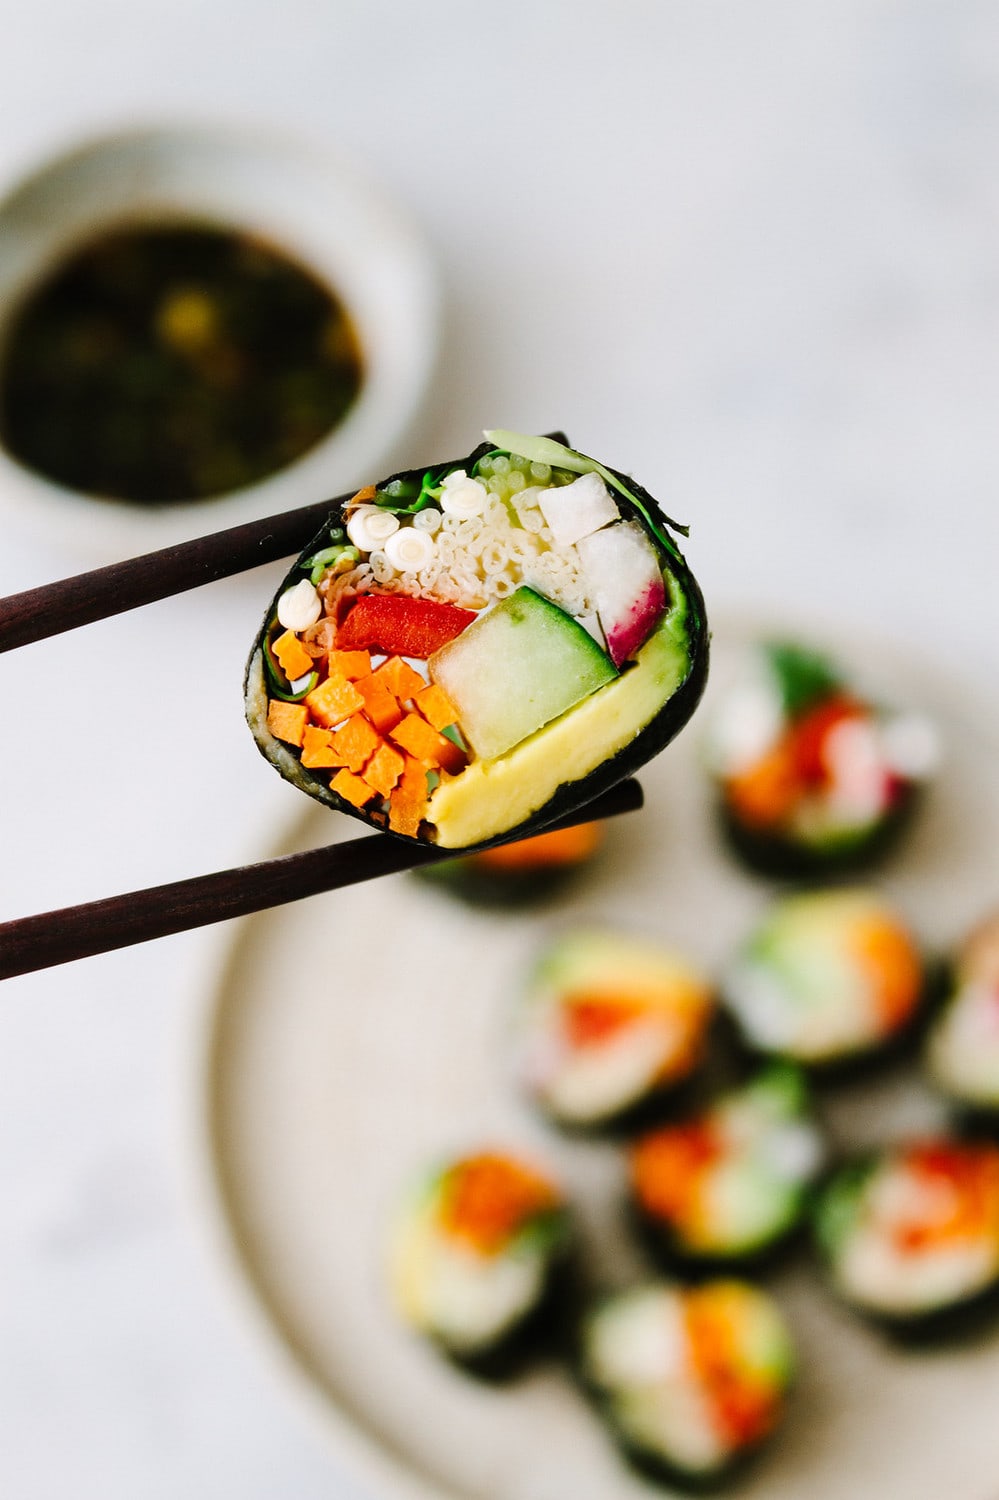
[(804, 677), (402, 497), (320, 561), (543, 450)]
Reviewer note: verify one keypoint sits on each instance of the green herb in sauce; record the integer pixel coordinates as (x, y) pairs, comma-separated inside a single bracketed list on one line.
[(174, 362)]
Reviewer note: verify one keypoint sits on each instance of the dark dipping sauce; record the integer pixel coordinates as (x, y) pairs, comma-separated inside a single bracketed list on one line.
[(171, 362)]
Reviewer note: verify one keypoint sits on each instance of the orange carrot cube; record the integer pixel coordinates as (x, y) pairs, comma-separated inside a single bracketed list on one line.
[(405, 814), (317, 749), (380, 706), (287, 721), (400, 678), (355, 742), (420, 739), (294, 660), (334, 700), (351, 788), (350, 664), (413, 781), (436, 707), (384, 769)]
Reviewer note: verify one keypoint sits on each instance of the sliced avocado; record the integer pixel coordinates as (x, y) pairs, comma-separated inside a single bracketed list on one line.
[(490, 796), (516, 668)]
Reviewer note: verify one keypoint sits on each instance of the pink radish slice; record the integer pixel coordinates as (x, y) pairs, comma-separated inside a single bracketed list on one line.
[(625, 583)]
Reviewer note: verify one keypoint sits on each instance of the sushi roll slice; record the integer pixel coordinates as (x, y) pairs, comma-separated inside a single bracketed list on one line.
[(962, 1053), (608, 1022), (475, 1255), (829, 978), (690, 1380), (810, 777), (516, 875), (469, 652), (910, 1234), (733, 1182)]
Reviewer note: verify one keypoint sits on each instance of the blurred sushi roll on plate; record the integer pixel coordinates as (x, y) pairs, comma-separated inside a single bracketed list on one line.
[(827, 979), (608, 1024), (520, 874), (475, 1255), (910, 1234), (733, 1182), (476, 649), (811, 778), (962, 1053), (690, 1380)]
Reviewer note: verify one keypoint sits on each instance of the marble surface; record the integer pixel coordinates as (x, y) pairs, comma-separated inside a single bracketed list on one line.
[(751, 253)]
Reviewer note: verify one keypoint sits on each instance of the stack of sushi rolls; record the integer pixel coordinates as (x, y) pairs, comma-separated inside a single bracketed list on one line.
[(810, 777), (910, 1234), (477, 1252), (962, 1052), (690, 1379), (827, 980), (732, 1183), (607, 1024)]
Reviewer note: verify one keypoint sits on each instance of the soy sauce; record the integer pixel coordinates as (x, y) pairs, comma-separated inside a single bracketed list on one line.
[(176, 361)]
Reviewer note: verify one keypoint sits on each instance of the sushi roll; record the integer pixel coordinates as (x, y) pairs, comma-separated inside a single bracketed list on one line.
[(811, 778), (690, 1380), (730, 1184), (910, 1234), (606, 1023), (469, 652), (516, 875), (475, 1256), (829, 978), (962, 1053)]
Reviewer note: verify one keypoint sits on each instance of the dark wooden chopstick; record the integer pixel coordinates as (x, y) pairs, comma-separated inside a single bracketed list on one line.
[(56, 607), (58, 937), (53, 608)]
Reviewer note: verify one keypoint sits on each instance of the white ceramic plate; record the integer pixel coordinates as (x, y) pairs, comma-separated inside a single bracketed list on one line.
[(354, 1036), (295, 192)]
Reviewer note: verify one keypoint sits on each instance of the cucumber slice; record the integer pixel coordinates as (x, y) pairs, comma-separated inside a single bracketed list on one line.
[(516, 668)]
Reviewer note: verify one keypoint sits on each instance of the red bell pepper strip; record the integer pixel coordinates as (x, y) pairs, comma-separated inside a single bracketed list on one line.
[(400, 626)]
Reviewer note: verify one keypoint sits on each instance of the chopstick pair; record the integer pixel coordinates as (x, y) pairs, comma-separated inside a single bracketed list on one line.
[(58, 937)]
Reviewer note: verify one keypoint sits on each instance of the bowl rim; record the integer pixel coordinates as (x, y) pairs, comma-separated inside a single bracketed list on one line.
[(102, 529)]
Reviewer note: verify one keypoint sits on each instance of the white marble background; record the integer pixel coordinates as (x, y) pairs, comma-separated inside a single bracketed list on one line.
[(750, 252)]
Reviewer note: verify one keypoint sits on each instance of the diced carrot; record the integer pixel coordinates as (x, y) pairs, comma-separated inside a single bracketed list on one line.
[(352, 789), (363, 497), (413, 781), (487, 1199), (416, 735), (399, 678), (334, 700), (295, 661), (435, 706), (350, 664), (546, 851), (379, 704), (287, 721), (317, 749), (408, 800), (355, 742), (766, 791), (384, 769), (405, 814)]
